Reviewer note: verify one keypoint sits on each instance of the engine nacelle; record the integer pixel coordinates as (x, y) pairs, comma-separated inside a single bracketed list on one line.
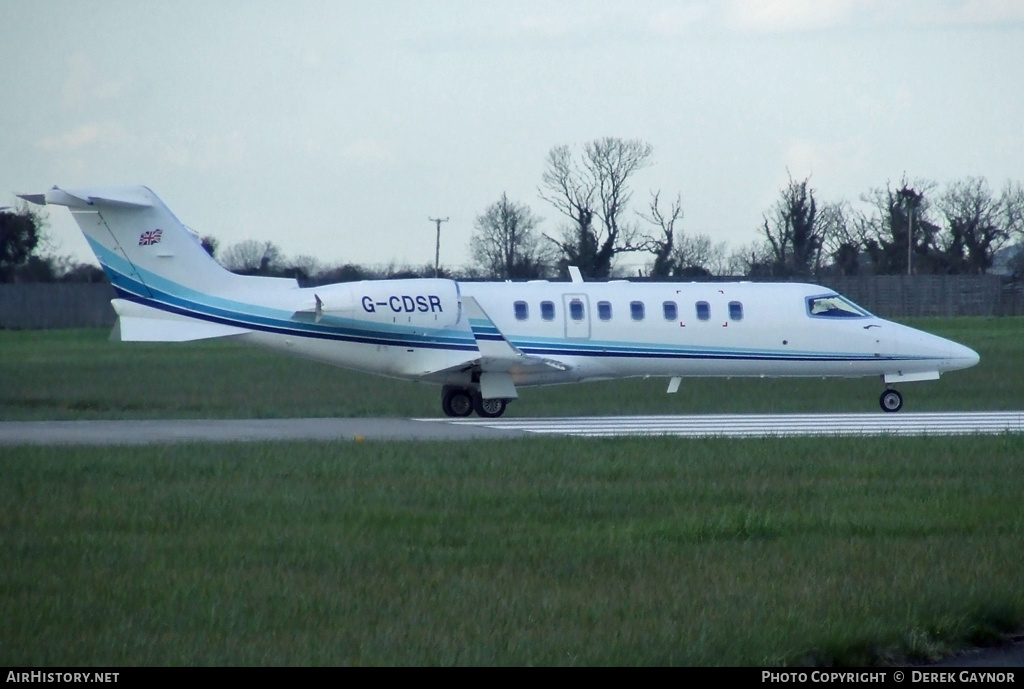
[(421, 302)]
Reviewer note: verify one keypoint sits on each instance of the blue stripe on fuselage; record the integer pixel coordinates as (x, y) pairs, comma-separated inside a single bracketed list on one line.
[(176, 298)]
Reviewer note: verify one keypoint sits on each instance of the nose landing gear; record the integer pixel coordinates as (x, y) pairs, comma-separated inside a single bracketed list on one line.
[(891, 401)]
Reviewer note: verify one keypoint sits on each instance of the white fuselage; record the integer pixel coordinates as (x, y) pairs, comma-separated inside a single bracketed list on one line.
[(601, 331)]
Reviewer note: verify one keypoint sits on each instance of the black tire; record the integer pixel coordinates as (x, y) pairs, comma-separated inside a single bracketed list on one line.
[(891, 401), (488, 409), (456, 402)]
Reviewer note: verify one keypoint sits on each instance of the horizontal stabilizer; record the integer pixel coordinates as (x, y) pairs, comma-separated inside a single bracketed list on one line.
[(76, 198), (138, 323), (38, 199)]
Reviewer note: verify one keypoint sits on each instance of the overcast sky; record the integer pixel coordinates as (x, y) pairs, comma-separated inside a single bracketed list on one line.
[(337, 128)]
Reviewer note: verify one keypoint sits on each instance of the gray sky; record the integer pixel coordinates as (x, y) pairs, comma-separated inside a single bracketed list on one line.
[(336, 129)]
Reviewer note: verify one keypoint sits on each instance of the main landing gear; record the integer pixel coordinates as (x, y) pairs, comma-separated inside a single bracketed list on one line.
[(464, 401), (891, 400)]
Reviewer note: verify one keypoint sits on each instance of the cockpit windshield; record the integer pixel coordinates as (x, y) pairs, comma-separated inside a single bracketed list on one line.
[(834, 306)]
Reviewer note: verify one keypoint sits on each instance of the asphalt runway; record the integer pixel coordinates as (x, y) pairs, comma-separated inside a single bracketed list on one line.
[(233, 430), (710, 425)]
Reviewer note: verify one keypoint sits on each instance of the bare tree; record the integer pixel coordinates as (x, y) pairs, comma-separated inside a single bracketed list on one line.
[(505, 245), (697, 255), (679, 254), (901, 229), (663, 247), (1013, 209), (252, 257), (977, 223), (796, 231), (346, 272), (593, 192), (841, 242), (306, 265), (754, 260)]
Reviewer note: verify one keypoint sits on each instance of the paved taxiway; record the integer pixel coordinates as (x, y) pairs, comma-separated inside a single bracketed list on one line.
[(233, 430), (727, 425)]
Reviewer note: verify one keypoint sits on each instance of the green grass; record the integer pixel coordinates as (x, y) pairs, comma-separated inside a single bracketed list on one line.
[(80, 374), (643, 551), (546, 551)]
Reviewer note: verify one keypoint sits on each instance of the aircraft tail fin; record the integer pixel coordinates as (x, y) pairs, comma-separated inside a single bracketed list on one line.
[(143, 248)]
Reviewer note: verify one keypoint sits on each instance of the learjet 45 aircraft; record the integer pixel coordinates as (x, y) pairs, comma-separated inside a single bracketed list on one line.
[(480, 341)]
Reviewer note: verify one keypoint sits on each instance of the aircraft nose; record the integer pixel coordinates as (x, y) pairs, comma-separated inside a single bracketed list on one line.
[(963, 357)]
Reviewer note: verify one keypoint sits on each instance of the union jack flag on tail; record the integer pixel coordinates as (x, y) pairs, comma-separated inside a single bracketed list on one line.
[(151, 237)]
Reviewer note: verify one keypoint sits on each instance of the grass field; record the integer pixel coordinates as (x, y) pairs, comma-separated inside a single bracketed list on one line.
[(638, 551), (80, 374), (548, 551)]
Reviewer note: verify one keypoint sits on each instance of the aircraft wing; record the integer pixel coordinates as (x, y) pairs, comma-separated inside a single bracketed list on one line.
[(497, 354), (500, 360)]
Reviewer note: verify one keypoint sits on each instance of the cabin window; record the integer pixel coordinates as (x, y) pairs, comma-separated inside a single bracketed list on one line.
[(735, 311), (522, 310), (547, 310), (703, 311), (576, 310), (671, 312), (834, 306), (636, 310), (604, 310)]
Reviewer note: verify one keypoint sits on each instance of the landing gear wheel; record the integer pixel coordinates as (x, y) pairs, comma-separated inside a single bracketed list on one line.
[(456, 402), (891, 401), (488, 409)]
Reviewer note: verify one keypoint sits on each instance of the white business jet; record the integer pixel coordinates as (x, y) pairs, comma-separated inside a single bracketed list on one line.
[(482, 340)]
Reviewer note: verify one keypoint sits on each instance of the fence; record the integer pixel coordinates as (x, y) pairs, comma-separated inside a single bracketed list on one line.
[(35, 305), (77, 305), (899, 296)]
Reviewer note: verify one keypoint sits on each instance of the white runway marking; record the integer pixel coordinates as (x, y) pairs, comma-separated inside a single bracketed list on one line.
[(764, 425), (143, 432)]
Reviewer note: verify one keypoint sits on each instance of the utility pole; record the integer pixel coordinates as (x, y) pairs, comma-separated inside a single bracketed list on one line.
[(437, 246), (912, 200), (910, 237)]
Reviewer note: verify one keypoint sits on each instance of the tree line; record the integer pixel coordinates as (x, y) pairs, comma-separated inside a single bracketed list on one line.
[(907, 228), (903, 228)]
